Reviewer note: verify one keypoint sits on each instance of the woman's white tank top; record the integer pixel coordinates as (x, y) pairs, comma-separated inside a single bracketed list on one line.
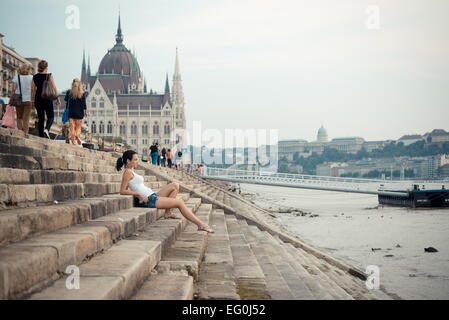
[(136, 185)]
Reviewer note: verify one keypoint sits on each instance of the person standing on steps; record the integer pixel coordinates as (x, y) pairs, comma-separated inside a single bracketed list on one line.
[(23, 111), (169, 158), (77, 109), (178, 160), (164, 156), (153, 153), (43, 106), (132, 184), (158, 155)]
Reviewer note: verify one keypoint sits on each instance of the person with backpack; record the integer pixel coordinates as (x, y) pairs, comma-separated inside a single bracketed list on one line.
[(21, 97), (43, 89), (75, 99)]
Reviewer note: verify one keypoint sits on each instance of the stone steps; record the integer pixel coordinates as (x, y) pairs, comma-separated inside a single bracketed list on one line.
[(19, 138), (353, 286), (296, 285), (220, 197), (20, 224), (333, 289), (188, 250), (32, 262), (216, 279), (32, 151), (249, 276), (128, 264), (113, 275), (276, 284), (22, 176), (166, 287), (26, 195), (318, 289), (178, 267)]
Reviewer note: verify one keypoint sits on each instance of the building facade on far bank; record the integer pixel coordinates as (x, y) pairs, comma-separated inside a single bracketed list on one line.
[(11, 61), (119, 104)]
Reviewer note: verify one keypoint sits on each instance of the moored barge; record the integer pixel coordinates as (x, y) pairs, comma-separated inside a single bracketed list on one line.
[(415, 197)]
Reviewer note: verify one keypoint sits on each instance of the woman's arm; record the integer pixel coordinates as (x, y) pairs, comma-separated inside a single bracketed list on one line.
[(127, 176), (33, 91)]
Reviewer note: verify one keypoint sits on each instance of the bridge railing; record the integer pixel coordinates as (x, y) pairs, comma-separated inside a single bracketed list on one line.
[(326, 182), (220, 172)]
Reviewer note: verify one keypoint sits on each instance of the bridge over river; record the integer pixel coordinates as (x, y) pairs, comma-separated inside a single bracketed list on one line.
[(356, 185)]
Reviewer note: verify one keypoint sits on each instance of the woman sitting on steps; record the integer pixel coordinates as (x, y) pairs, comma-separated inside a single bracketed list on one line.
[(164, 199)]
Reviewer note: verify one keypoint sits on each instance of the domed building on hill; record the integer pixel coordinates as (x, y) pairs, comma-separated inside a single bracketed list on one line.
[(120, 106), (322, 135)]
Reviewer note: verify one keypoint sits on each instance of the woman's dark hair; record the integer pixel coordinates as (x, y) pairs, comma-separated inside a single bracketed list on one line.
[(127, 155), (42, 65)]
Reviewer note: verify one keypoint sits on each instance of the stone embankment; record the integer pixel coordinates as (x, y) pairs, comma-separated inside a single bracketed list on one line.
[(60, 210)]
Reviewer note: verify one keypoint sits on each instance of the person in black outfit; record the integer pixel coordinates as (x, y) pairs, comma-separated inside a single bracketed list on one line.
[(153, 153), (43, 106), (77, 109)]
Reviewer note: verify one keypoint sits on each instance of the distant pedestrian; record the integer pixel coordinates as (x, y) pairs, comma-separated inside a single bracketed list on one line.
[(169, 155), (153, 153), (21, 85), (76, 102), (164, 157), (178, 160), (43, 105), (158, 154)]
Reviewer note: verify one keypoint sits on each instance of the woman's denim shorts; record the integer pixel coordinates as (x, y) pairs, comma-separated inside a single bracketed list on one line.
[(151, 203)]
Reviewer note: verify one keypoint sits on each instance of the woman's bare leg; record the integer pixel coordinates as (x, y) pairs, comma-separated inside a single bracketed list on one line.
[(170, 190), (165, 202)]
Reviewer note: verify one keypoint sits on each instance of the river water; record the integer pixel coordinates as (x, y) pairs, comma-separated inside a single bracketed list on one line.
[(349, 226)]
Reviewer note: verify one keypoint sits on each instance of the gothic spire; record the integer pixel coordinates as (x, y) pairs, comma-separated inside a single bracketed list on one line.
[(119, 36), (167, 91), (83, 69), (177, 71), (84, 60), (167, 86), (177, 92), (88, 66)]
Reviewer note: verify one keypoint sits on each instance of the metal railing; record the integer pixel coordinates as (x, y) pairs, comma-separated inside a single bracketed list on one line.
[(355, 185)]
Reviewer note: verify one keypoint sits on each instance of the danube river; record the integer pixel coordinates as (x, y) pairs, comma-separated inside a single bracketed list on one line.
[(349, 226)]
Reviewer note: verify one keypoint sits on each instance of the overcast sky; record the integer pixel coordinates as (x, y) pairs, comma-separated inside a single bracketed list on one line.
[(291, 65)]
